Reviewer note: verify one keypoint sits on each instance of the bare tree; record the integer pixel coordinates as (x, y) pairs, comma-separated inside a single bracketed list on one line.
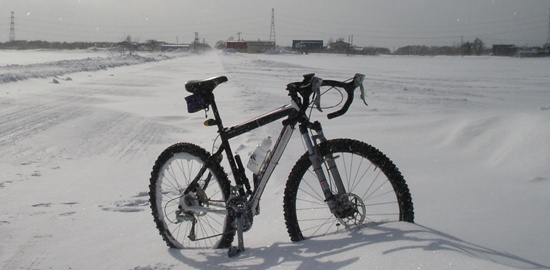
[(220, 45), (478, 47), (127, 46)]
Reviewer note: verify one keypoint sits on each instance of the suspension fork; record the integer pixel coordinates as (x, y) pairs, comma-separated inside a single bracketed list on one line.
[(318, 160)]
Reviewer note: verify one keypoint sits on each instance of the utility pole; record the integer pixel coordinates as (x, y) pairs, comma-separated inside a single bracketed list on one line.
[(196, 41), (12, 28), (462, 46)]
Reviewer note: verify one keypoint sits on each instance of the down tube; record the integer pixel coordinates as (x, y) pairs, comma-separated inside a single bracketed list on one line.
[(272, 162)]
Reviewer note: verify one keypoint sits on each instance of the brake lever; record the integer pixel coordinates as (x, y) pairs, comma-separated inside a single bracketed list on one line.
[(316, 88), (358, 80)]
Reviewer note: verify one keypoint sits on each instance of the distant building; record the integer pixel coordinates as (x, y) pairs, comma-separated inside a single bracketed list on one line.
[(339, 47), (529, 52), (174, 47), (250, 46), (505, 50), (307, 45), (260, 46), (239, 46)]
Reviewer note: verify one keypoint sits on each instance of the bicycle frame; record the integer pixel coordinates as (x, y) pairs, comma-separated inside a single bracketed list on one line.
[(273, 157), (237, 168)]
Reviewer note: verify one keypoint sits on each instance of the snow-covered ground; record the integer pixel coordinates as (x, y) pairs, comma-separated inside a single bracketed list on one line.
[(14, 57), (471, 136), (45, 65)]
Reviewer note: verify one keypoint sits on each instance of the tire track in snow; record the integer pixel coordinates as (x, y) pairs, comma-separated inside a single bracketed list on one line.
[(87, 130), (30, 119), (133, 134)]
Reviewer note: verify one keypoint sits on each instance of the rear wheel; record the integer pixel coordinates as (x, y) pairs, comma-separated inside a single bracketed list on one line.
[(375, 192), (179, 209)]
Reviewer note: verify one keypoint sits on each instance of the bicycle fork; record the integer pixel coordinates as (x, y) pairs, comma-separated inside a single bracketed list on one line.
[(317, 162)]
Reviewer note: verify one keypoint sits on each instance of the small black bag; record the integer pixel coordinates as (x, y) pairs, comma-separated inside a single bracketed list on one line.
[(195, 103)]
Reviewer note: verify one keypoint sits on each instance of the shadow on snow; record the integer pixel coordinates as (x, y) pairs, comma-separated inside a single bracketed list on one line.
[(332, 252)]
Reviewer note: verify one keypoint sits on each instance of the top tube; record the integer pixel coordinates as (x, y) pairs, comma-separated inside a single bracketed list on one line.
[(260, 121)]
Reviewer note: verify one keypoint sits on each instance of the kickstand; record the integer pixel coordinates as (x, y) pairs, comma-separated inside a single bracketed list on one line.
[(233, 250)]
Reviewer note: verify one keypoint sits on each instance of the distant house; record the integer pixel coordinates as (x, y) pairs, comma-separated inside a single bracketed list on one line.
[(339, 47), (239, 46), (529, 52), (260, 46), (307, 45), (174, 47), (250, 46), (505, 50)]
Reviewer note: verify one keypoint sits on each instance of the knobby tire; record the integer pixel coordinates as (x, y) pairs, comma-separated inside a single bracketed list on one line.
[(174, 169), (365, 172)]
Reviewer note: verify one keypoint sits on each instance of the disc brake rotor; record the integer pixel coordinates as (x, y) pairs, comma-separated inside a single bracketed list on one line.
[(353, 210)]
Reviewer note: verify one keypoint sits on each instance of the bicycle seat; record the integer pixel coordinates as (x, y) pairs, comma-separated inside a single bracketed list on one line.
[(205, 86)]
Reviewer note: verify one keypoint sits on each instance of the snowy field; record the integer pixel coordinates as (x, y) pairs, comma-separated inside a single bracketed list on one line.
[(471, 136), (10, 57)]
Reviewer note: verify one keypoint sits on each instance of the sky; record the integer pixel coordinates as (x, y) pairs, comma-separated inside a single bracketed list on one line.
[(381, 23)]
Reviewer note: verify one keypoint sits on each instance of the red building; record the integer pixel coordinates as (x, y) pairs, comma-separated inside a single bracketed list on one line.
[(239, 46)]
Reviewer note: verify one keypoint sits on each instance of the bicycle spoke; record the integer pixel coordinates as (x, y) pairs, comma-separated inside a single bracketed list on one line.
[(184, 220), (368, 178)]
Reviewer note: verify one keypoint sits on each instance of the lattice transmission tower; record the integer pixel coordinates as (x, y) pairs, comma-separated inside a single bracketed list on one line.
[(272, 33), (12, 28)]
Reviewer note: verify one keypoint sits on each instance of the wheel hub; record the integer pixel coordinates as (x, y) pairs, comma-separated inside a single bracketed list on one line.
[(188, 201), (351, 210)]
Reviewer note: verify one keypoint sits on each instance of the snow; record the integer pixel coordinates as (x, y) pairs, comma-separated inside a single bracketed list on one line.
[(15, 57), (470, 135), (17, 72)]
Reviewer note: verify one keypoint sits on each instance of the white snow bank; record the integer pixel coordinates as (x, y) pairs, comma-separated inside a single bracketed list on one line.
[(25, 57), (16, 72)]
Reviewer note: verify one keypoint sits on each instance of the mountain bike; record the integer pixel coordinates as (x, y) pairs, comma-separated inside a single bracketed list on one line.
[(336, 185)]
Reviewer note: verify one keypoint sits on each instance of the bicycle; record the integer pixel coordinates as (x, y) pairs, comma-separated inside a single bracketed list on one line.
[(336, 185)]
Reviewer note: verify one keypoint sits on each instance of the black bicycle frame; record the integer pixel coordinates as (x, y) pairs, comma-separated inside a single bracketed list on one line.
[(227, 133), (293, 112)]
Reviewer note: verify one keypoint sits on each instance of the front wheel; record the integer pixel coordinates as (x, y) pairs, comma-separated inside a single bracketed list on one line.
[(188, 198), (375, 191)]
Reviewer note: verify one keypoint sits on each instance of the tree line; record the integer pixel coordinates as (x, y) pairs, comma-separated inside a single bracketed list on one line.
[(41, 44), (477, 47)]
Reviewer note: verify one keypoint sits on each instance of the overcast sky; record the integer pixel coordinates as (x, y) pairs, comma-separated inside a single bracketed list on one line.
[(386, 23)]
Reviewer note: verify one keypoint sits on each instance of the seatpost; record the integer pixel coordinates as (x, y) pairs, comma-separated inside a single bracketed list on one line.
[(217, 116)]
